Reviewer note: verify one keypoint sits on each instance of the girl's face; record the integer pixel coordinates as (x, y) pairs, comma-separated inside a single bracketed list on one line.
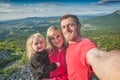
[(57, 39), (38, 44)]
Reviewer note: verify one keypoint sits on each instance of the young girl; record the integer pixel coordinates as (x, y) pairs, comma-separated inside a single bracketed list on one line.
[(39, 60), (56, 46)]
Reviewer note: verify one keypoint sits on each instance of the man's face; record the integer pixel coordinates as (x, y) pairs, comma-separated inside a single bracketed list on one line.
[(70, 29)]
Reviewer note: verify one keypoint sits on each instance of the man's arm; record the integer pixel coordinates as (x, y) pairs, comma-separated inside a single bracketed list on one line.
[(106, 65)]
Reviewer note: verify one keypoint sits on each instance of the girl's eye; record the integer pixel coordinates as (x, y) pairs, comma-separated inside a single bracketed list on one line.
[(51, 38), (36, 43)]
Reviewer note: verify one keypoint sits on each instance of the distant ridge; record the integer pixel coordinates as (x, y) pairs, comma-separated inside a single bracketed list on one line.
[(27, 26), (117, 12), (112, 20)]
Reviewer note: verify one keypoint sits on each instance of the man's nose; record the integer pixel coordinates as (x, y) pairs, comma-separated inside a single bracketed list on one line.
[(67, 28)]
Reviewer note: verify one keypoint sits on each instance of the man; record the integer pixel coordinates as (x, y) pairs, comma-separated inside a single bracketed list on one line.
[(83, 56)]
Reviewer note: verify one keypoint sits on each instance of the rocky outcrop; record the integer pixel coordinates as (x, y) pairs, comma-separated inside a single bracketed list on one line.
[(4, 55), (23, 73)]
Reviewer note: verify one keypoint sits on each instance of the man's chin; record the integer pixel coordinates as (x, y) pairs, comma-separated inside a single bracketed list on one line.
[(69, 39)]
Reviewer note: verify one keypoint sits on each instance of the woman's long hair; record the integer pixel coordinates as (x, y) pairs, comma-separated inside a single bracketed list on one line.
[(49, 34)]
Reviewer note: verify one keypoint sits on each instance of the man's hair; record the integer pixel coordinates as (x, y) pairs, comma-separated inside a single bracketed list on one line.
[(71, 16)]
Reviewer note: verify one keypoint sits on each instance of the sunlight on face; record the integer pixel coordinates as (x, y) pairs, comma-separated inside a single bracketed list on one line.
[(57, 39), (70, 29)]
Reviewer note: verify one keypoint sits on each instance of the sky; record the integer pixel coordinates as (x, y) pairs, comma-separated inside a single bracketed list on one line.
[(16, 9)]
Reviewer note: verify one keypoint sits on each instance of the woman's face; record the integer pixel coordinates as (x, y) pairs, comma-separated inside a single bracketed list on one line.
[(57, 39), (38, 44)]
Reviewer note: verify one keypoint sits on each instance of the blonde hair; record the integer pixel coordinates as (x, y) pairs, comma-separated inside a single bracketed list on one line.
[(29, 49), (49, 34)]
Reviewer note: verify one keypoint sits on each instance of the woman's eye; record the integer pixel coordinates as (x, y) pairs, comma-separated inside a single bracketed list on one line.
[(41, 42), (58, 36)]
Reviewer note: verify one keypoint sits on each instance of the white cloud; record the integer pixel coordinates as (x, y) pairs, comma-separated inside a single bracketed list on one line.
[(107, 1), (5, 7), (9, 11)]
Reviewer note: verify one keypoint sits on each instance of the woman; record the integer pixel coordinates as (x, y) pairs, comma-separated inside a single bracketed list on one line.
[(56, 46)]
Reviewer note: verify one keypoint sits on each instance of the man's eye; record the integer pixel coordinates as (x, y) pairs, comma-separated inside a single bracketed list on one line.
[(71, 24), (63, 27)]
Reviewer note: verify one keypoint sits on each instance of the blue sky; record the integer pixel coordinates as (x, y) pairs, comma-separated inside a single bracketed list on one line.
[(15, 9)]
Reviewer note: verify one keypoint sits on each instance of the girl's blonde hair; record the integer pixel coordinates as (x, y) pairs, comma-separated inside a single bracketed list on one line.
[(49, 34), (29, 49)]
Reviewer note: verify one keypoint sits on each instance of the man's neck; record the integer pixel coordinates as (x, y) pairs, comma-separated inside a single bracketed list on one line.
[(80, 38)]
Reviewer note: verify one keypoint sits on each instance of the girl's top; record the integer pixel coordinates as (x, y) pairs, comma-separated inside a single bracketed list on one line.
[(40, 65)]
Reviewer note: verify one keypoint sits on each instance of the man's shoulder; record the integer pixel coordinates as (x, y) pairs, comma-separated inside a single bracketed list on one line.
[(87, 40)]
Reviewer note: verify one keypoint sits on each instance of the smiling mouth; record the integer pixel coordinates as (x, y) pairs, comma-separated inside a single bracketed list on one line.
[(40, 48), (68, 33)]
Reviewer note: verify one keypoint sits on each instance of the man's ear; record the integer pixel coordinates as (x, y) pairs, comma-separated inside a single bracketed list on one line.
[(79, 25)]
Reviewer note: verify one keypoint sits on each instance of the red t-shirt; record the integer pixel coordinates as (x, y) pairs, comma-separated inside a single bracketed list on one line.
[(61, 72), (77, 66)]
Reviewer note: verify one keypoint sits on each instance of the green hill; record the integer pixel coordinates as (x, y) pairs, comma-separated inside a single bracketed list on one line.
[(17, 31), (104, 30), (106, 21), (14, 33)]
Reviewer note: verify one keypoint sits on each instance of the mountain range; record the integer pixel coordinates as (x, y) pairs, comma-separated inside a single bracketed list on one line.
[(27, 26), (107, 21)]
